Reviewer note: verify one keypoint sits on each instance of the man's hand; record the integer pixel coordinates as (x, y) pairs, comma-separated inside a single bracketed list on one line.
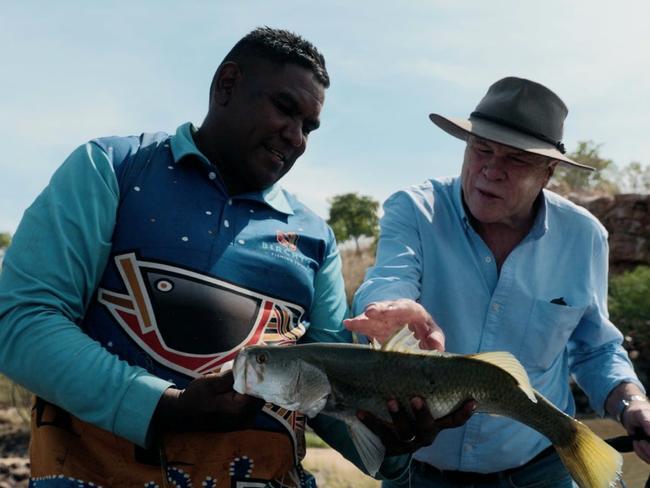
[(405, 434), (209, 403), (636, 420), (380, 320)]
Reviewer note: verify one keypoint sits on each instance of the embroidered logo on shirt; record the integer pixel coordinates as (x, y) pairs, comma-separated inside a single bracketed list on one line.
[(194, 323), (287, 239)]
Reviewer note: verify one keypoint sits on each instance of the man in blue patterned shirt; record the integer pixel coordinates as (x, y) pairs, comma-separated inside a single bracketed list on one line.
[(149, 261)]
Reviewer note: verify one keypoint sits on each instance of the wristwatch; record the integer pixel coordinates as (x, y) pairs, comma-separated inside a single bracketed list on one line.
[(625, 402)]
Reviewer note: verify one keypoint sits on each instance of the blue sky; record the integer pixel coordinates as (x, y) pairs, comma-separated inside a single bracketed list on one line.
[(74, 70)]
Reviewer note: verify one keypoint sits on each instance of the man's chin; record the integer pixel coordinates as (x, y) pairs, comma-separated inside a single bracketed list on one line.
[(262, 184)]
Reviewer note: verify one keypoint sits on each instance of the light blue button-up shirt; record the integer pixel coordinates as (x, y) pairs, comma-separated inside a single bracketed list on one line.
[(429, 252)]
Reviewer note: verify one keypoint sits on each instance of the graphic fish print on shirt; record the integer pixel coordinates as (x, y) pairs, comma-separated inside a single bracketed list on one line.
[(194, 323)]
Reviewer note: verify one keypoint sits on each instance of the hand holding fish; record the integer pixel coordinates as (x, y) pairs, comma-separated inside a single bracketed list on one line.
[(208, 403), (636, 420), (380, 320), (406, 434), (339, 380)]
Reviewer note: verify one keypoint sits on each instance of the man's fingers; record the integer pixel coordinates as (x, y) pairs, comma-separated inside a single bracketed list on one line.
[(391, 311), (375, 329), (642, 449), (404, 430), (424, 422), (458, 417), (370, 328), (376, 425)]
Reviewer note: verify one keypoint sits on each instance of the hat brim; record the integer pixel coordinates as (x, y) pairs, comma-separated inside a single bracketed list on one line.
[(492, 131)]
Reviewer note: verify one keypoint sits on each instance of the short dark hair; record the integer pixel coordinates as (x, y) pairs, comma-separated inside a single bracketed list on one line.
[(280, 46)]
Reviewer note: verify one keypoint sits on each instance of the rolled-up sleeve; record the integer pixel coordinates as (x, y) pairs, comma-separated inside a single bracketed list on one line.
[(597, 358), (329, 304), (398, 266), (49, 276)]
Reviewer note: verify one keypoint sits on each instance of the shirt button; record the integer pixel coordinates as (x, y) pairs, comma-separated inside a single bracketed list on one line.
[(488, 259), (230, 201), (468, 447), (212, 175), (496, 307), (226, 223)]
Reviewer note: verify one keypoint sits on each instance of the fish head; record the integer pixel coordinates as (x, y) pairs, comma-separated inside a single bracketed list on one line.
[(280, 376), (264, 372)]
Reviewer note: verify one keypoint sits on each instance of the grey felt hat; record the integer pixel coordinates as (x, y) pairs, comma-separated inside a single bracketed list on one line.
[(518, 113)]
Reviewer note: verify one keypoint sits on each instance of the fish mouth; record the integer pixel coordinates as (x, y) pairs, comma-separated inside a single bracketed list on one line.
[(247, 376)]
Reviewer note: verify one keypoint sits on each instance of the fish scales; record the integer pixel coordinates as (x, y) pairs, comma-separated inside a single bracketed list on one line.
[(340, 379)]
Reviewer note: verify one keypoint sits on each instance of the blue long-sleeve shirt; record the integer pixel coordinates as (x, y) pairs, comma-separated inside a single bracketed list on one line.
[(547, 306)]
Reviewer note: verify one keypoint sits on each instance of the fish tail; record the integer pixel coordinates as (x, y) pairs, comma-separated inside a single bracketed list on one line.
[(591, 462)]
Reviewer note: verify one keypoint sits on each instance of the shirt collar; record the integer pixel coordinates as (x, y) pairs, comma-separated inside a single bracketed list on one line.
[(539, 228), (182, 145), (458, 202)]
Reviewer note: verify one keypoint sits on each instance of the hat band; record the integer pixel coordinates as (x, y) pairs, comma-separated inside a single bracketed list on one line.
[(497, 120)]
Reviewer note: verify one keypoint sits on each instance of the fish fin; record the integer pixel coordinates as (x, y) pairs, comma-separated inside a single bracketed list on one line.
[(314, 388), (590, 460), (509, 363), (368, 445), (314, 408), (402, 340)]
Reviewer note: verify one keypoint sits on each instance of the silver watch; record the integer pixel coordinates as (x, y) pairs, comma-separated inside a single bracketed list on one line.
[(625, 402)]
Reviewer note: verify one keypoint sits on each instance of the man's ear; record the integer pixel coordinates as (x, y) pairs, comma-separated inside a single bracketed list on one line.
[(225, 82), (551, 170)]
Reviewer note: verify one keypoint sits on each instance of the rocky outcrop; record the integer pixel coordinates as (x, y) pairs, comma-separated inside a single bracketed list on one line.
[(627, 219)]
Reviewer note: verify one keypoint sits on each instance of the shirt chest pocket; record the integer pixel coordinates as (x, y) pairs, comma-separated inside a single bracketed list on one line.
[(548, 330)]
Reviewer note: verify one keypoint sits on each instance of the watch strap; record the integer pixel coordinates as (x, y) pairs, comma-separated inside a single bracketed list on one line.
[(625, 402)]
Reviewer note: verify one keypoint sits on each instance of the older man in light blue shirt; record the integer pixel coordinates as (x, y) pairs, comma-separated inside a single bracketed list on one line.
[(503, 265)]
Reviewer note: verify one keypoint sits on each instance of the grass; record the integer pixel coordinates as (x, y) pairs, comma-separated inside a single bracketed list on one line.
[(15, 399), (354, 268)]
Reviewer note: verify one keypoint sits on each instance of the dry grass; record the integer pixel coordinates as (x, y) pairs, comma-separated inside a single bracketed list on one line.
[(333, 471), (354, 268)]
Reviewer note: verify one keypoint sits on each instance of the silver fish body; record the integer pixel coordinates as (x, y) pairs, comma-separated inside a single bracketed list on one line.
[(340, 379)]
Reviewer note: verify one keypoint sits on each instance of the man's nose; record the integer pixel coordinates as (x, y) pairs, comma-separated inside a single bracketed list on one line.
[(494, 168), (292, 133)]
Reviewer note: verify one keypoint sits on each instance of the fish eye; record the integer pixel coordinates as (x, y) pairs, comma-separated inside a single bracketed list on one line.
[(261, 358)]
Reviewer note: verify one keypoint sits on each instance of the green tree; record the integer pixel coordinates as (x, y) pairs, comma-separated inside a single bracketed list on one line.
[(630, 310), (635, 178), (353, 216), (5, 239), (602, 181)]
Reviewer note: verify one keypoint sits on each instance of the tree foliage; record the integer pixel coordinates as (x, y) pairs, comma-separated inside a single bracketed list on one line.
[(571, 180), (353, 216), (634, 178), (608, 179), (5, 239), (630, 310)]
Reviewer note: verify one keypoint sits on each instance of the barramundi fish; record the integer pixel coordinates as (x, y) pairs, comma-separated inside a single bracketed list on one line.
[(340, 379)]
